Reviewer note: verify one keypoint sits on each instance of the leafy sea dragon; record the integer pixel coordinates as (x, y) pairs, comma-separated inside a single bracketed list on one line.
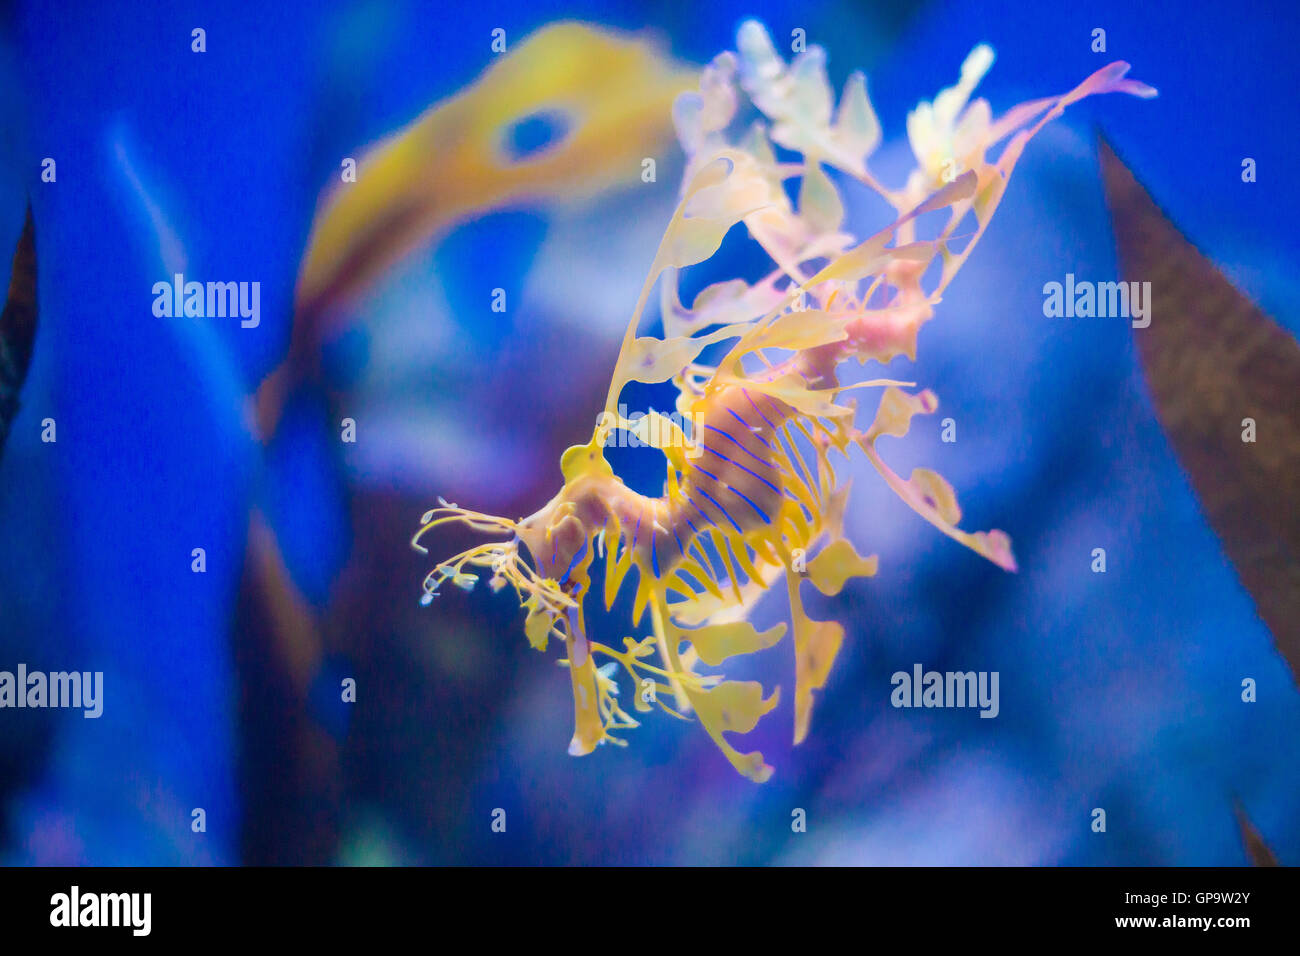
[(751, 498)]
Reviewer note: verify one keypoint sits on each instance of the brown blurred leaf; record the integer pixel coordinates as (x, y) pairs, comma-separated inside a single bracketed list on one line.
[(1212, 359), (291, 815), (18, 326), (1256, 848)]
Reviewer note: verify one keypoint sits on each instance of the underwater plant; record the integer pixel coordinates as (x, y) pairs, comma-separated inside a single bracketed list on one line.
[(751, 498), (18, 326)]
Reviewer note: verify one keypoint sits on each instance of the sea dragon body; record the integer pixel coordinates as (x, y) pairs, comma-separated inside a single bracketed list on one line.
[(743, 508)]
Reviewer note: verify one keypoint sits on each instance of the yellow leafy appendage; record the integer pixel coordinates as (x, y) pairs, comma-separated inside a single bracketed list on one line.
[(751, 496)]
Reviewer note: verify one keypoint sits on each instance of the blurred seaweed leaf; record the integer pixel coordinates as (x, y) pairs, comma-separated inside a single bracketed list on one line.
[(18, 326), (1256, 848), (611, 98), (1212, 360), (278, 647)]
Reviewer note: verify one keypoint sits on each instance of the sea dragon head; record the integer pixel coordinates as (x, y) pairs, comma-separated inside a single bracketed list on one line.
[(550, 574)]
